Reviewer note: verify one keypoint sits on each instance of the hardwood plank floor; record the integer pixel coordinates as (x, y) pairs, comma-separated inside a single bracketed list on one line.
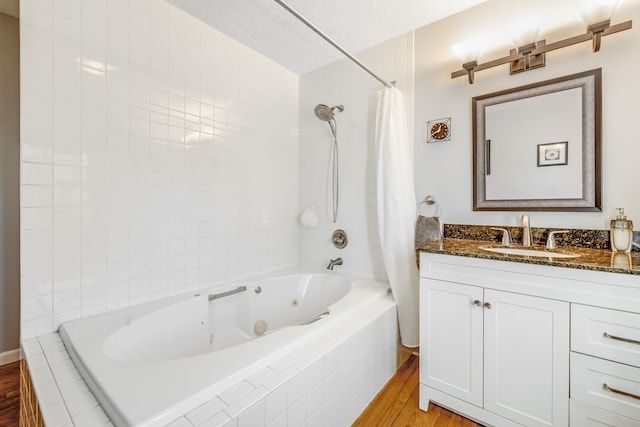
[(397, 405), (10, 394)]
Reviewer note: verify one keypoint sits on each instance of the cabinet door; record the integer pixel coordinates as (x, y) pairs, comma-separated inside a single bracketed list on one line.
[(451, 328), (526, 358)]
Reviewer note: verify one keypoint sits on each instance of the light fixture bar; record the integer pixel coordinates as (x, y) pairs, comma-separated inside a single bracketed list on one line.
[(581, 38), (594, 33), (489, 64)]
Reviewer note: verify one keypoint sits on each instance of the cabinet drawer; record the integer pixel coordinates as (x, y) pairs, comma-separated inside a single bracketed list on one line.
[(583, 415), (607, 385), (610, 334)]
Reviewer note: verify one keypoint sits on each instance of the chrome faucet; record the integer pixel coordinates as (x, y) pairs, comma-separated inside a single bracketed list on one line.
[(526, 231), (333, 263)]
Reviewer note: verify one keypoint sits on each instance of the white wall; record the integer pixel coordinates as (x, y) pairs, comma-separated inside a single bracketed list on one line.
[(344, 83), (444, 169), (158, 155)]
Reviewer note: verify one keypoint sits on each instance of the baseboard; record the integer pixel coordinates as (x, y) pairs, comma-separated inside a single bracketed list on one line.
[(9, 356)]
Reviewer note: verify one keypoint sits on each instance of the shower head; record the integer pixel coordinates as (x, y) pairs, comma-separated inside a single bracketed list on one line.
[(325, 113)]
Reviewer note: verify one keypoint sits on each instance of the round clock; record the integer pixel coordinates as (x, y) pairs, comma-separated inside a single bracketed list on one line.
[(439, 131)]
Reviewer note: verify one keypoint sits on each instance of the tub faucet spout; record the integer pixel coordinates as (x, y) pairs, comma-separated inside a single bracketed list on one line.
[(333, 263)]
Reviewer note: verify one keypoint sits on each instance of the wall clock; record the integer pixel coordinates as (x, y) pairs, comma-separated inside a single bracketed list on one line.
[(438, 130)]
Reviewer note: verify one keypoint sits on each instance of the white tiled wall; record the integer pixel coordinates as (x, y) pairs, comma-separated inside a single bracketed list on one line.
[(344, 83), (157, 155)]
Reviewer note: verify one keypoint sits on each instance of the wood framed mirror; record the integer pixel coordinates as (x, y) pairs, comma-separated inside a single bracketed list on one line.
[(537, 147)]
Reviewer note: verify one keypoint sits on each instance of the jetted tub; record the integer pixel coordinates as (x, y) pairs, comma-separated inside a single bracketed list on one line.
[(151, 363)]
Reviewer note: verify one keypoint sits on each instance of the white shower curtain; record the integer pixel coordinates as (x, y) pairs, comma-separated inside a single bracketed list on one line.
[(397, 209)]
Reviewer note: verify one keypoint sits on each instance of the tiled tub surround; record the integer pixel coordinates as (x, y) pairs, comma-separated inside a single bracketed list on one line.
[(325, 381), (158, 155)]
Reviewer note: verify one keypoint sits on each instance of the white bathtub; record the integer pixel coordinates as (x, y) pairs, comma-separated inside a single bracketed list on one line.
[(151, 363)]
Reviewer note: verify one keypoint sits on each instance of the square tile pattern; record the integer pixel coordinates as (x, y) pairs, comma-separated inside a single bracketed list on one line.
[(326, 381), (158, 156)]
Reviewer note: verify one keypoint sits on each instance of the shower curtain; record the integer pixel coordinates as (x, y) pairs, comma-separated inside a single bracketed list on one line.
[(397, 209)]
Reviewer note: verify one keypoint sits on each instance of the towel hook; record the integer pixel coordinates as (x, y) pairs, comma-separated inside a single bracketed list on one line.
[(429, 201)]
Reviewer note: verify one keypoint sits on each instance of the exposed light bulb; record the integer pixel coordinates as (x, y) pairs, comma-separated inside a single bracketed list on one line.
[(595, 11), (469, 50), (525, 32)]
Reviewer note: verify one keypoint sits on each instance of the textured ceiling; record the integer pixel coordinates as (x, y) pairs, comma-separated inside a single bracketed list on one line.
[(356, 25)]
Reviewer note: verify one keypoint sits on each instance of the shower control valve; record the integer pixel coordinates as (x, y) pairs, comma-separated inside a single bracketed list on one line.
[(339, 239)]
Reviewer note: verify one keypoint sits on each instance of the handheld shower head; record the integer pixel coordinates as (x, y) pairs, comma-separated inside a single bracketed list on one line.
[(325, 113)]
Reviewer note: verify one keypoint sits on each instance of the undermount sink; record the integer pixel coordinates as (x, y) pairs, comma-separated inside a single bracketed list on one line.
[(534, 252)]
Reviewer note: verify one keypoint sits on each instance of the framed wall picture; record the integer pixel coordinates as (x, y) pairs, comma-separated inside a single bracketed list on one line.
[(553, 154)]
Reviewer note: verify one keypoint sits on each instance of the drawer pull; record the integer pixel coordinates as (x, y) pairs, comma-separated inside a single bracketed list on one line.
[(613, 337), (616, 391), (477, 302)]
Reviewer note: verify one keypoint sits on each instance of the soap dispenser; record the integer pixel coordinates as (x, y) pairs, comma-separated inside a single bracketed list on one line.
[(621, 232)]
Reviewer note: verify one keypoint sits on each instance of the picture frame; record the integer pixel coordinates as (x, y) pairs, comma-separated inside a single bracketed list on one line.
[(553, 154)]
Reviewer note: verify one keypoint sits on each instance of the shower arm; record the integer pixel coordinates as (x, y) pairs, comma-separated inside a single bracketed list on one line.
[(333, 43)]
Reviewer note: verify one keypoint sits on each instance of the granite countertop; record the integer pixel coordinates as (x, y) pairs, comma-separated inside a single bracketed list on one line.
[(589, 259)]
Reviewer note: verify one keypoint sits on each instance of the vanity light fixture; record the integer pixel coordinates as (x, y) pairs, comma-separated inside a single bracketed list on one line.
[(469, 52), (531, 56)]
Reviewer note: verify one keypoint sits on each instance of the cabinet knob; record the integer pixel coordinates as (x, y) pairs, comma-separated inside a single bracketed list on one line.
[(487, 304), (477, 302)]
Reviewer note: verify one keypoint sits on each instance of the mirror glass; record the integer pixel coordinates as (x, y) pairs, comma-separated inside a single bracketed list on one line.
[(537, 147)]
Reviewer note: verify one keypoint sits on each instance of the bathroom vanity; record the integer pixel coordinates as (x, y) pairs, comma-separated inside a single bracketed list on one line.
[(512, 340)]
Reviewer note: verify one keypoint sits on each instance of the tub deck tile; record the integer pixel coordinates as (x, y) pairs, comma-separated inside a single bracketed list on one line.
[(55, 414), (73, 389), (236, 392), (245, 401), (180, 422), (254, 416), (318, 343), (205, 411), (49, 393), (283, 364), (218, 420), (279, 379), (92, 417), (262, 376)]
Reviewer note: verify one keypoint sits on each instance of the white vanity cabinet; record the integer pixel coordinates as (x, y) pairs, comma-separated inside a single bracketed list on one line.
[(502, 342), (500, 351)]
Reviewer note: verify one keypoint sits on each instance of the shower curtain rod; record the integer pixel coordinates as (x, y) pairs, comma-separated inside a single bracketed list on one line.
[(332, 43)]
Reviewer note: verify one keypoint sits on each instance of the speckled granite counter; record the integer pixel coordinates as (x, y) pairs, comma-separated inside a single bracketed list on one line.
[(589, 259)]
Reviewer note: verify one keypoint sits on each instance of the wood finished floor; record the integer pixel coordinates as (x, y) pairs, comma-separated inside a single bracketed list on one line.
[(397, 405), (10, 394)]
